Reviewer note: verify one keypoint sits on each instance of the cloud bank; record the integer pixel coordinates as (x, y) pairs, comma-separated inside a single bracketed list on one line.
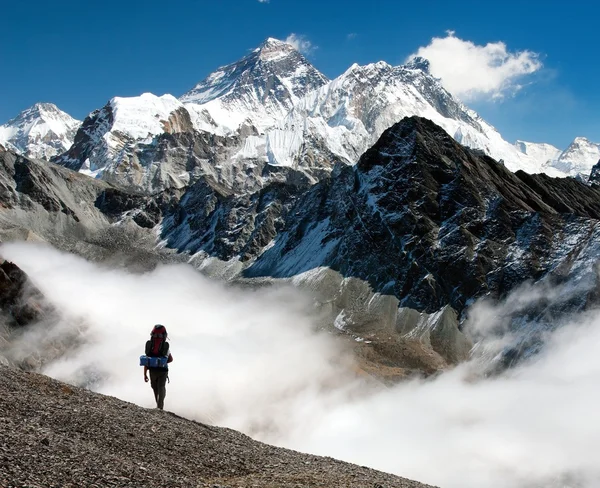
[(252, 360), (472, 71)]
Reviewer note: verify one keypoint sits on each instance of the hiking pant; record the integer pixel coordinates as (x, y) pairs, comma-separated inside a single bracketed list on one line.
[(158, 381)]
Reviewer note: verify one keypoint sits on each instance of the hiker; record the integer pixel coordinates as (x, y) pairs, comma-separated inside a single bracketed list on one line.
[(156, 347)]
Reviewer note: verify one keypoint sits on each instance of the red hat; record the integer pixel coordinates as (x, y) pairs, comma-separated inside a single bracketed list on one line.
[(159, 331)]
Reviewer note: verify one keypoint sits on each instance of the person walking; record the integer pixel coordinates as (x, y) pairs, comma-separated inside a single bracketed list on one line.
[(158, 347)]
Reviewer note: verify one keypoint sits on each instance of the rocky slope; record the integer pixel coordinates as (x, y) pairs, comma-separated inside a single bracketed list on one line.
[(42, 131), (44, 202), (57, 435)]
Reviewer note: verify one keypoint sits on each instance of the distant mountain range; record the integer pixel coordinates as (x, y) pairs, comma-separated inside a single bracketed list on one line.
[(268, 113)]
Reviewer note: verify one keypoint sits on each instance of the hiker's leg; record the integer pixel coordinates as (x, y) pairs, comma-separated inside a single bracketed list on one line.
[(162, 389), (154, 382)]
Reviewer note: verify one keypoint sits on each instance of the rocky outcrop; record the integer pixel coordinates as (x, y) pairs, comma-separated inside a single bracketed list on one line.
[(21, 302), (55, 434), (594, 178)]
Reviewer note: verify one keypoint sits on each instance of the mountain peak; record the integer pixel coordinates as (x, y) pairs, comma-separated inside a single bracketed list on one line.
[(581, 140), (269, 80), (420, 63), (39, 110), (271, 42), (40, 131), (43, 107), (273, 49), (404, 138)]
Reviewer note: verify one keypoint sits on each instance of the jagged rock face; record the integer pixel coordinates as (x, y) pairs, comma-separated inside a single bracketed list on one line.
[(113, 142), (212, 219), (433, 223), (42, 131)]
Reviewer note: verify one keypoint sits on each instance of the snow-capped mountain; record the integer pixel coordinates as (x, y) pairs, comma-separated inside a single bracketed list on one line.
[(261, 88), (272, 113), (352, 111), (578, 158), (42, 131), (106, 136), (125, 141)]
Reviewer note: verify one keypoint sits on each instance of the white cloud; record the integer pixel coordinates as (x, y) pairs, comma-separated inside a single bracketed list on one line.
[(351, 36), (470, 71), (300, 43), (252, 361), (263, 1)]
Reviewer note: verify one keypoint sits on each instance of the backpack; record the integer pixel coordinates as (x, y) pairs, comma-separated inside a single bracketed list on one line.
[(157, 348), (156, 352)]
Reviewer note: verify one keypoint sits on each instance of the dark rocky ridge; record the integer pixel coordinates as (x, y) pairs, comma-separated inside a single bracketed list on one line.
[(419, 217), (57, 435)]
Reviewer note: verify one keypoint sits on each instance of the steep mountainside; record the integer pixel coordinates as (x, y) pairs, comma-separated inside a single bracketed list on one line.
[(352, 111), (149, 143), (42, 131), (55, 434)]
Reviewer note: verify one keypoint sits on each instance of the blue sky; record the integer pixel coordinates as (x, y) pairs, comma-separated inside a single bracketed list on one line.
[(79, 54)]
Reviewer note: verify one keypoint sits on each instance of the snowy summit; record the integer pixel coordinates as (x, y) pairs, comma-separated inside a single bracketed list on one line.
[(42, 131)]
